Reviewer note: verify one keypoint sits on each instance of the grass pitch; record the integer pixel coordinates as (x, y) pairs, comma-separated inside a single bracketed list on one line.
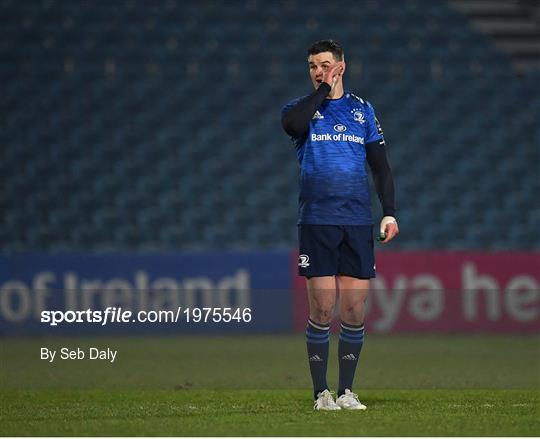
[(260, 386)]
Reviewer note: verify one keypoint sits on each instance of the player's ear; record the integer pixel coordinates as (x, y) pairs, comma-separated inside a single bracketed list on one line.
[(344, 67)]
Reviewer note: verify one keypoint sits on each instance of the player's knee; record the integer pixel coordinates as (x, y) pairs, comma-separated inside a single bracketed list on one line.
[(322, 314), (353, 313)]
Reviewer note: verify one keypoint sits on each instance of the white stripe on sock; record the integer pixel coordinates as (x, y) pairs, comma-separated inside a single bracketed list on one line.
[(361, 328), (315, 325)]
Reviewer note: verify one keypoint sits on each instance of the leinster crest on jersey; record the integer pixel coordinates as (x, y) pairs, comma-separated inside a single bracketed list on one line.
[(358, 116)]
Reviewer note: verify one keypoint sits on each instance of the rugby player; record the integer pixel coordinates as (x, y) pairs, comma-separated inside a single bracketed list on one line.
[(335, 132)]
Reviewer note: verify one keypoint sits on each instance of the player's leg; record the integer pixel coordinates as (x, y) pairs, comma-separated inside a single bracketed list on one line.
[(322, 296), (356, 268), (322, 300), (353, 293), (318, 262)]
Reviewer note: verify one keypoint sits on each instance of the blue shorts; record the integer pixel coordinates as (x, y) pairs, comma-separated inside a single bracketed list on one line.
[(332, 250)]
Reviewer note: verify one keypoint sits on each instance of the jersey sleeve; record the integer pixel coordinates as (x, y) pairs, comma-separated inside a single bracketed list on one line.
[(374, 132), (295, 118), (287, 107), (297, 137), (294, 138)]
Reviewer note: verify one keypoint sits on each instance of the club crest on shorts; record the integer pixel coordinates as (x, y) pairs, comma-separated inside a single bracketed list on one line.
[(303, 261)]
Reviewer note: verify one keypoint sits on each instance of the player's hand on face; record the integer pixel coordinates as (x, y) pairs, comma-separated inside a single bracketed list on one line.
[(390, 228), (333, 73)]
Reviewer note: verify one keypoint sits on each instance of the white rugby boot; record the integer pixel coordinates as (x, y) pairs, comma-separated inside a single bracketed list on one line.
[(349, 401), (325, 401)]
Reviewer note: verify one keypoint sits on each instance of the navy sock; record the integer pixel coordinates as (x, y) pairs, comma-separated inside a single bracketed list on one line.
[(351, 340), (318, 341)]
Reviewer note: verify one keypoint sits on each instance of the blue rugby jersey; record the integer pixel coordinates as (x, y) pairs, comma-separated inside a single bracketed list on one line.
[(334, 187)]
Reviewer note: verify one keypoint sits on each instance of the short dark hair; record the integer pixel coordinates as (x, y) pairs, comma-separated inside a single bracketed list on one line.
[(327, 46)]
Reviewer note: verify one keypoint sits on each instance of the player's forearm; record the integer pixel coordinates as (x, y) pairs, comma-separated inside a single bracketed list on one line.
[(382, 177), (296, 121), (385, 190)]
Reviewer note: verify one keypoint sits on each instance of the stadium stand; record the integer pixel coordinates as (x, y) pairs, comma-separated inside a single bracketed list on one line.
[(135, 125)]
